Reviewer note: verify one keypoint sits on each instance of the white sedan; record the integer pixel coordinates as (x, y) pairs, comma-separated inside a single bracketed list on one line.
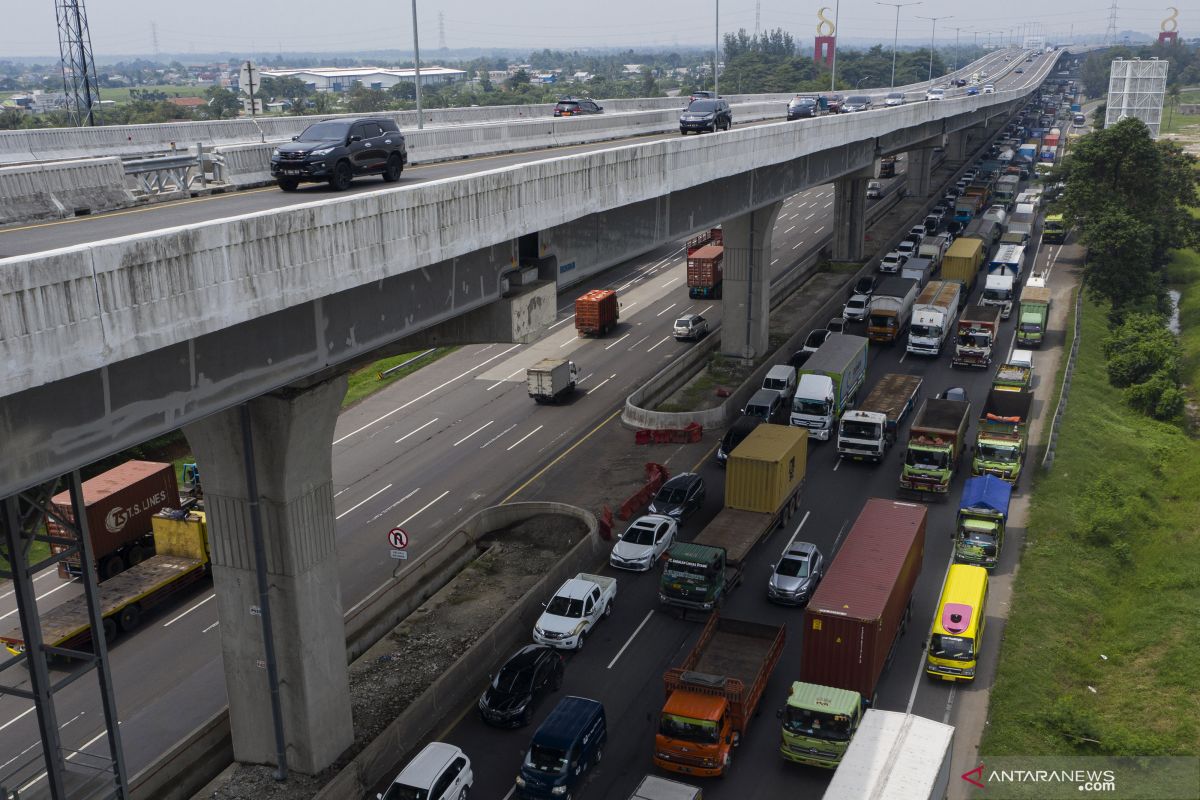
[(644, 542)]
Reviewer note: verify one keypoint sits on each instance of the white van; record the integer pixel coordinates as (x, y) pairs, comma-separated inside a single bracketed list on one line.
[(439, 772), (781, 378)]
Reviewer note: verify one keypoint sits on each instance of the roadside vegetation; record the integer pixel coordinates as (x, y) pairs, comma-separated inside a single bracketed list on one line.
[(1102, 648), (366, 381)]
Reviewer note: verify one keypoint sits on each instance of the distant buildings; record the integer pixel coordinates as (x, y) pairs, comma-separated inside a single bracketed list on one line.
[(345, 78)]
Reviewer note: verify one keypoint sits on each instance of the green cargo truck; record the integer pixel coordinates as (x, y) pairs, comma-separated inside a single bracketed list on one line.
[(764, 476), (936, 442), (982, 519), (1034, 312), (1003, 434)]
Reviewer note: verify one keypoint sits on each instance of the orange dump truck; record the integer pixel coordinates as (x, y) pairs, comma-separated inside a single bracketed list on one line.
[(597, 312), (713, 695)]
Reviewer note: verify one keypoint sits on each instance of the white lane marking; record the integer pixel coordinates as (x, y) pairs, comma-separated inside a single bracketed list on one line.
[(665, 310), (339, 492), (497, 436), (903, 357), (561, 321), (423, 508), (632, 636), (668, 283), (827, 205), (85, 746), (797, 244), (639, 341), (950, 702), (789, 230), (190, 610), (916, 684), (39, 597), (818, 230), (210, 627), (410, 433), (836, 464), (774, 261), (627, 306), (511, 789), (584, 378), (810, 216), (567, 342), (793, 216), (625, 286), (393, 505), (494, 385), (796, 532), (372, 497), (656, 344), (705, 310), (472, 433), (12, 721), (523, 438), (618, 341), (45, 574), (426, 394), (597, 386)]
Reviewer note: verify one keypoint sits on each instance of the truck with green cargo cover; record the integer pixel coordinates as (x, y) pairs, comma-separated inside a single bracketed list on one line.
[(1034, 313), (936, 442), (1003, 434)]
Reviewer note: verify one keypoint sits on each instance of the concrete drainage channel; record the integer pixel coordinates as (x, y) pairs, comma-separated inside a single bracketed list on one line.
[(638, 412)]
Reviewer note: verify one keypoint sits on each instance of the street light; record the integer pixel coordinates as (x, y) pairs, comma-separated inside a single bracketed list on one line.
[(932, 40), (417, 65), (716, 44), (860, 80), (956, 30), (896, 34)]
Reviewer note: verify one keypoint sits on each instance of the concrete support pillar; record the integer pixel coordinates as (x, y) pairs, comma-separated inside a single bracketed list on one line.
[(918, 171), (956, 146), (292, 435), (747, 284), (849, 220)]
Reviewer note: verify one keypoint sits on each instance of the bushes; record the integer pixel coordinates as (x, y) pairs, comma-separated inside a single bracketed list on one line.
[(1143, 359)]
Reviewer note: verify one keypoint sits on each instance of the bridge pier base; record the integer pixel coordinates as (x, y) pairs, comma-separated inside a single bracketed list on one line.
[(746, 290), (849, 217), (919, 161), (956, 147), (291, 434)]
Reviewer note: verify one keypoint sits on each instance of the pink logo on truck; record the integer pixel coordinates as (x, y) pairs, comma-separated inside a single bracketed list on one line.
[(956, 617)]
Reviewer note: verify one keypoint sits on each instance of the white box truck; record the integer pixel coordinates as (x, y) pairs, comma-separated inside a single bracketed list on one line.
[(895, 756)]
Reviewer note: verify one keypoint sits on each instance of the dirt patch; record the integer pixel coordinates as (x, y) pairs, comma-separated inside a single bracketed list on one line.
[(406, 662)]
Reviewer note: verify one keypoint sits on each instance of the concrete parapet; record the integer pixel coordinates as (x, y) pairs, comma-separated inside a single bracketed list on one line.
[(61, 189)]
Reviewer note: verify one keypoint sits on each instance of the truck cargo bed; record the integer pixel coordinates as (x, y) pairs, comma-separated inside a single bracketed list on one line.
[(734, 654), (736, 531)]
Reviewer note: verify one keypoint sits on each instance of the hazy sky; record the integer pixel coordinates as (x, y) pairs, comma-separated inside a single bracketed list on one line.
[(241, 26)]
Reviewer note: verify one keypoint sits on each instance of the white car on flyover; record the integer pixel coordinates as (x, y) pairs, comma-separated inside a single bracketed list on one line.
[(643, 543)]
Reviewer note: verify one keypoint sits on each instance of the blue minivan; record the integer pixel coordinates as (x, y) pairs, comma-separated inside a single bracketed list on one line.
[(568, 744)]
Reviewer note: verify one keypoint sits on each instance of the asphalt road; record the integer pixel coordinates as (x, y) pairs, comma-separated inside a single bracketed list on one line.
[(454, 437)]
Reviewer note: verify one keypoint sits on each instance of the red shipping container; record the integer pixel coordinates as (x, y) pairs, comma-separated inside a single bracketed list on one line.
[(119, 504), (596, 312), (858, 611), (704, 266)]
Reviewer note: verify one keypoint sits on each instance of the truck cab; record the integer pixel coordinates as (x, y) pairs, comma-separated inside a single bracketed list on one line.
[(699, 725), (694, 576), (982, 519), (998, 291), (812, 406), (818, 724)]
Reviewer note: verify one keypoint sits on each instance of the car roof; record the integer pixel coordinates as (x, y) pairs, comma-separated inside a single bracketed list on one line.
[(569, 718), (688, 317), (807, 549), (428, 763), (682, 479), (781, 369), (529, 654), (575, 589), (746, 423)]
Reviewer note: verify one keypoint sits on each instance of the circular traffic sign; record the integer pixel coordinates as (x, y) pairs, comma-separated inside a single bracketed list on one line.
[(398, 538)]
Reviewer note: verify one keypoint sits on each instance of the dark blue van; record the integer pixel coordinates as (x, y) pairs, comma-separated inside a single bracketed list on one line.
[(568, 744)]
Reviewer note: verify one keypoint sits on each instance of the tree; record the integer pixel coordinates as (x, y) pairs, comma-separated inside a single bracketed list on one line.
[(222, 103), (649, 87), (1119, 268), (363, 100), (518, 79), (1143, 359)]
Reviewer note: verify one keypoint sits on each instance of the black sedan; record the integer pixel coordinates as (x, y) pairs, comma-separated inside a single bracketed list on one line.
[(533, 672)]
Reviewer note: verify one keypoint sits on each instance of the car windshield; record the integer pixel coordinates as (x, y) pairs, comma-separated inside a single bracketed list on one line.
[(639, 534), (926, 459), (895, 96), (703, 106), (999, 453), (546, 759), (325, 132), (931, 331), (693, 730), (975, 340), (955, 648), (803, 101), (565, 607), (817, 724), (1031, 327), (859, 100), (686, 570), (856, 305), (793, 567), (671, 495), (813, 408), (513, 679), (398, 791), (853, 429), (816, 338)]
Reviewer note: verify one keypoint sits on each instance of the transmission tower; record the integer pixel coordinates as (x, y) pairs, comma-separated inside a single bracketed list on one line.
[(441, 31), (1110, 36), (78, 67), (154, 39), (757, 15)]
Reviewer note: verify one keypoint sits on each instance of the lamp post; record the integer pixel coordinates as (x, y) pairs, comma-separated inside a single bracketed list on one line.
[(417, 65), (956, 30), (837, 7), (858, 83), (896, 34), (716, 44), (932, 40)]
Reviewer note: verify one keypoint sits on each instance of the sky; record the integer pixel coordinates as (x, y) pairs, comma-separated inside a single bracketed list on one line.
[(268, 26)]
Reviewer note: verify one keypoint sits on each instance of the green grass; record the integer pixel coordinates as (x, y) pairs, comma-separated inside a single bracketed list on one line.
[(121, 95), (1184, 272), (365, 382), (37, 552), (1178, 122), (1106, 594)]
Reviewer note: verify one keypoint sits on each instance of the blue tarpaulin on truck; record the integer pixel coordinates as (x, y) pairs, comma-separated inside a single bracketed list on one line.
[(988, 492)]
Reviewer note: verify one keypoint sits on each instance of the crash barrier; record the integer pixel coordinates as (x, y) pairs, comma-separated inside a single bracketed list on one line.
[(690, 433), (62, 189), (1052, 439), (656, 476)]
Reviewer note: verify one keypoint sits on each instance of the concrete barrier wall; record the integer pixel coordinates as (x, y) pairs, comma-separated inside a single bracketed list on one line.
[(184, 769), (62, 189)]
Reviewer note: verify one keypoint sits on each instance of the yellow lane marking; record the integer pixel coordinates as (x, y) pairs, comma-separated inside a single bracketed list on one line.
[(560, 457)]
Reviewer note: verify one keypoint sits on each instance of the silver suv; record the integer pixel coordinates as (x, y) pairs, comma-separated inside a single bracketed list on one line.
[(691, 326)]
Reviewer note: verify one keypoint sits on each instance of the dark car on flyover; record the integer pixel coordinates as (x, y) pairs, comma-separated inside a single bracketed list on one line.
[(526, 678), (338, 150), (706, 115)]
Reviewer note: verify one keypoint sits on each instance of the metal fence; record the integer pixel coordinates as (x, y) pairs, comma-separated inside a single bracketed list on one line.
[(1048, 458)]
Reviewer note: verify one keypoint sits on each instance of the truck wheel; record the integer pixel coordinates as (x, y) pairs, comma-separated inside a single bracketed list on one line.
[(130, 617), (391, 172), (608, 608), (136, 555), (111, 566), (343, 174), (110, 630), (726, 762)]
